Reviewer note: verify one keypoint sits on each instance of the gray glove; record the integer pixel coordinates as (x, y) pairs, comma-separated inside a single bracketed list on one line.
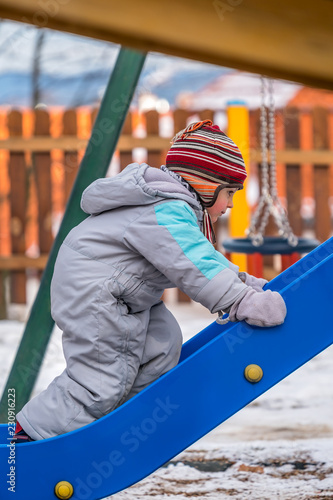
[(266, 308), (252, 281)]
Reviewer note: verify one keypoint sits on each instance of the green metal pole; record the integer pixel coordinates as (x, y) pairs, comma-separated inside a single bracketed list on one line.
[(101, 146)]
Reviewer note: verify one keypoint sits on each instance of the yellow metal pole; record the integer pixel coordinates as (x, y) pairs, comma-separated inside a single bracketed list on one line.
[(238, 131)]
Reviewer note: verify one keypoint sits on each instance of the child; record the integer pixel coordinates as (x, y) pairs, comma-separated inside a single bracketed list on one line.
[(149, 229)]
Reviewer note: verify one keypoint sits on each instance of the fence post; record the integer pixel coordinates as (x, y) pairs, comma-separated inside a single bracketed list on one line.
[(95, 163), (322, 210), (280, 167), (154, 158), (126, 157), (307, 143), (206, 114), (321, 176), (71, 157), (179, 119), (330, 142), (18, 200), (42, 168), (3, 307), (294, 178)]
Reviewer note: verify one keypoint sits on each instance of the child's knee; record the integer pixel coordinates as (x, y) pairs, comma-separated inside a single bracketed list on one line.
[(176, 346)]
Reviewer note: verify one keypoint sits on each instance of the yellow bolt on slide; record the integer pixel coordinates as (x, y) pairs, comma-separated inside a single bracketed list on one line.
[(64, 490), (253, 373)]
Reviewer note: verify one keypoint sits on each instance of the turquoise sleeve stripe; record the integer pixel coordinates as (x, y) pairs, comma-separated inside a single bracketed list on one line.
[(178, 218)]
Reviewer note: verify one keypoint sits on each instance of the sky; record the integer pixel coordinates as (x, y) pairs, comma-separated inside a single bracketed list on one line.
[(74, 69)]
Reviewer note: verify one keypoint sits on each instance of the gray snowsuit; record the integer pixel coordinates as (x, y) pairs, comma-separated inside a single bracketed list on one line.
[(143, 235)]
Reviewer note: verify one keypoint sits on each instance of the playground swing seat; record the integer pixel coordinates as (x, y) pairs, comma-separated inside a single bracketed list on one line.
[(256, 244)]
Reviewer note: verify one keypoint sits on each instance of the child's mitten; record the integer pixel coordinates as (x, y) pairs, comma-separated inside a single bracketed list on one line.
[(266, 308), (252, 281)]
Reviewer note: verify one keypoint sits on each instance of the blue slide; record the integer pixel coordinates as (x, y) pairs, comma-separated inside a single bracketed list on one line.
[(204, 389)]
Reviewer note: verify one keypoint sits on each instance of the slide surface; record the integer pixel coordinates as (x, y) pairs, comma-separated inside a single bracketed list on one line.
[(204, 389)]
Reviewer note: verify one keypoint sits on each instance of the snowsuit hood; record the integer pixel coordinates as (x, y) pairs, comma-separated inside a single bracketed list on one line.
[(137, 185)]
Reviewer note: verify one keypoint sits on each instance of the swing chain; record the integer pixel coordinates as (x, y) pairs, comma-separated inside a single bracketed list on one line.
[(269, 202)]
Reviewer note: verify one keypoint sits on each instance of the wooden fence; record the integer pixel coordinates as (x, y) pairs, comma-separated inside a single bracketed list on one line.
[(40, 152)]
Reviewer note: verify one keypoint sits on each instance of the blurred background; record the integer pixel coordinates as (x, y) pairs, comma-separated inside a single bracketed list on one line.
[(51, 85)]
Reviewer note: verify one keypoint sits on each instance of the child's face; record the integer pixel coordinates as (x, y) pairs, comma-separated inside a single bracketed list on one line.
[(223, 201)]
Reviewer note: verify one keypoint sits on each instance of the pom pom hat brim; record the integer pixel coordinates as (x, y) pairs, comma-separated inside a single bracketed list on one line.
[(207, 159)]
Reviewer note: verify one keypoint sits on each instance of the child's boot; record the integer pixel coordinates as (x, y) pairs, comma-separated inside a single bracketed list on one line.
[(20, 435)]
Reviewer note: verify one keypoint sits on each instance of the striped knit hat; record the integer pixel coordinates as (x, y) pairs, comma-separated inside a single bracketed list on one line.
[(209, 161)]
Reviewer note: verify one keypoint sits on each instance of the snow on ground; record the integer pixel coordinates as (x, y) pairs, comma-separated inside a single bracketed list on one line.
[(278, 447)]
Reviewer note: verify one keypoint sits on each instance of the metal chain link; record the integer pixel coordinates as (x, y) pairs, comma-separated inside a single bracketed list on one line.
[(269, 202), (220, 320)]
